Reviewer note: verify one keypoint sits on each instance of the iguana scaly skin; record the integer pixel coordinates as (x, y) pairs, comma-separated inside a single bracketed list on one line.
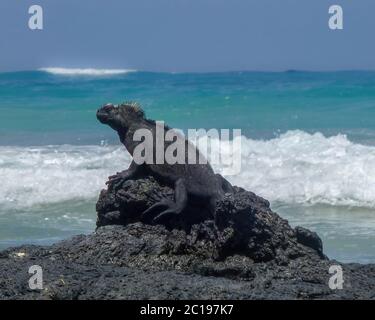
[(191, 182)]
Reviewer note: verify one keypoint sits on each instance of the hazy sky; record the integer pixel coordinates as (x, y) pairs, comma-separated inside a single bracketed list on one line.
[(188, 35)]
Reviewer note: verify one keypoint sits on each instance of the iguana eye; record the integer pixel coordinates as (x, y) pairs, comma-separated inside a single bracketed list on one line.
[(108, 107)]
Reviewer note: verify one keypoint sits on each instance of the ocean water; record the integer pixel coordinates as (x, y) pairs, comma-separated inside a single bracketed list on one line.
[(308, 145)]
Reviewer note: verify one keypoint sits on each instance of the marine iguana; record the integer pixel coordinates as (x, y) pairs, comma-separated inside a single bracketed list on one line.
[(191, 182)]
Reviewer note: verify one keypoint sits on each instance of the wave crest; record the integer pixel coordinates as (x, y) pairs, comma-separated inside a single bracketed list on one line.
[(304, 168), (85, 72), (296, 167)]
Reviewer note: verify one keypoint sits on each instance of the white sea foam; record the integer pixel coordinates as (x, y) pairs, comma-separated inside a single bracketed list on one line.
[(304, 168), (296, 167), (54, 174), (85, 72)]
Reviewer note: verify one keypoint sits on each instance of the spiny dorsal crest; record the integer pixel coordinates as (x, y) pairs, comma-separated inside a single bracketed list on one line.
[(133, 107)]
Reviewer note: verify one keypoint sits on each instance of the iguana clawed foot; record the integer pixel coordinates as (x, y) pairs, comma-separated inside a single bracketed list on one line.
[(116, 180), (125, 196), (172, 209)]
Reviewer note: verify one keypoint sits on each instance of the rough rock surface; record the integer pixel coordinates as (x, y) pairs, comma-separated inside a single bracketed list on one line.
[(243, 223), (245, 251)]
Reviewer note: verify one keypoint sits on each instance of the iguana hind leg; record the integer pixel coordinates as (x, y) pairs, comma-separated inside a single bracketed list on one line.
[(173, 207)]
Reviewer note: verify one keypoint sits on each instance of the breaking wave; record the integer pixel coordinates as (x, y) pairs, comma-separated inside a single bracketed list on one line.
[(54, 174), (296, 167), (85, 72)]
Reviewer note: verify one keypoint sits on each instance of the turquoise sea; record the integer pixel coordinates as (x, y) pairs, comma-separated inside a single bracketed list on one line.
[(308, 146)]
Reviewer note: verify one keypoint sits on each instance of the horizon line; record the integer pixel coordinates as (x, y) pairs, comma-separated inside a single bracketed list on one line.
[(118, 71)]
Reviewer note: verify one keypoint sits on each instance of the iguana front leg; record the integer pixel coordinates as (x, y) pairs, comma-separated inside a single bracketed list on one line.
[(122, 176), (173, 207), (224, 183)]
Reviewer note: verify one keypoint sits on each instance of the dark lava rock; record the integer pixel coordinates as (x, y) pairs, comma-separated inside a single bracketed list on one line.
[(309, 238), (245, 251), (243, 223)]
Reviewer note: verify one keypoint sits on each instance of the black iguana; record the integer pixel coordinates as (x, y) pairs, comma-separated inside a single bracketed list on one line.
[(191, 182)]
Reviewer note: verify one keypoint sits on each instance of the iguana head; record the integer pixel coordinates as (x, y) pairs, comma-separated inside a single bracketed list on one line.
[(120, 117)]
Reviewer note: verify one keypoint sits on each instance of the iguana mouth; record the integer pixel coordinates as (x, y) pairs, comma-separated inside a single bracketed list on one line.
[(105, 113)]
